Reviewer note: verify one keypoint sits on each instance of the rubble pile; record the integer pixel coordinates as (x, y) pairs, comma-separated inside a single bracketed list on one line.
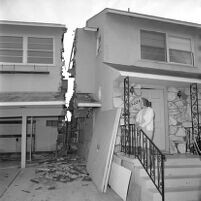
[(65, 169)]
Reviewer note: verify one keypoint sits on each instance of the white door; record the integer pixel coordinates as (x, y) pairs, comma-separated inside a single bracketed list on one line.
[(156, 97)]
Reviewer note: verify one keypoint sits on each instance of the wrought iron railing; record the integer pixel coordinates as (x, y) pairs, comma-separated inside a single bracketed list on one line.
[(193, 142), (143, 148)]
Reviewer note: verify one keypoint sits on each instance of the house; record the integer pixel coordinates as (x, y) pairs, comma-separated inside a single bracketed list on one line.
[(120, 57), (31, 87)]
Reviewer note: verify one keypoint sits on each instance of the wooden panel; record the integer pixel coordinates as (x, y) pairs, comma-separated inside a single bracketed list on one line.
[(119, 180), (102, 147)]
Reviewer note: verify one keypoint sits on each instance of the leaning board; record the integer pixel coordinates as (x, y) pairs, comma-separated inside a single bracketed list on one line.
[(119, 180), (102, 147)]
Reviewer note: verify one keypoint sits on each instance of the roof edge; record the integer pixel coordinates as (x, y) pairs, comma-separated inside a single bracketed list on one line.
[(40, 24), (151, 17)]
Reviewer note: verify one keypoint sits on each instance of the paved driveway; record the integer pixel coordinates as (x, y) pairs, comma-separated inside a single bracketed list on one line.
[(26, 188)]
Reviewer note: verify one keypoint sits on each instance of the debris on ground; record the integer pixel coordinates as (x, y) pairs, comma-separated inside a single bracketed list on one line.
[(64, 169), (26, 191), (51, 188), (35, 180), (38, 188)]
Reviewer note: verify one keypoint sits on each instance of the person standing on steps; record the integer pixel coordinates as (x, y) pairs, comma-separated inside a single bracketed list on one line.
[(145, 118), (145, 121)]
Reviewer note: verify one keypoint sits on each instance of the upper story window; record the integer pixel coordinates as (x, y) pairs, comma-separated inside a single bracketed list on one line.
[(177, 50), (180, 50), (11, 49), (153, 46), (40, 50), (26, 50)]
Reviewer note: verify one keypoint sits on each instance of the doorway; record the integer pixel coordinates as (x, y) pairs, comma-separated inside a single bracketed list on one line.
[(156, 97)]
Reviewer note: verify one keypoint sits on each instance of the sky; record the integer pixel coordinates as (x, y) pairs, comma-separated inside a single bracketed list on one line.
[(74, 13)]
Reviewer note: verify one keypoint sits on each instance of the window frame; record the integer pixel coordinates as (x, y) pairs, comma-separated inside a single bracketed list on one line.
[(191, 47), (14, 35), (167, 35), (159, 32), (25, 49)]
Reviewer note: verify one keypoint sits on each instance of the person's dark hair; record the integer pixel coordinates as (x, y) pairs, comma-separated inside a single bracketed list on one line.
[(145, 102)]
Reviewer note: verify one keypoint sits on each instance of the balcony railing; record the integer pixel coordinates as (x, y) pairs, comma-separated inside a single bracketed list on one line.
[(137, 143)]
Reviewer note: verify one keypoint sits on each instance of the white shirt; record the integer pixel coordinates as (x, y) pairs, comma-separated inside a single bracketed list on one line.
[(145, 118)]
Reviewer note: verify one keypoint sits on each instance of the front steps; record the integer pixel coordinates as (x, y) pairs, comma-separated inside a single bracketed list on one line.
[(182, 180)]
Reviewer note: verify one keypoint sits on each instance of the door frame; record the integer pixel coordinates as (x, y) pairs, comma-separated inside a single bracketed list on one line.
[(166, 115)]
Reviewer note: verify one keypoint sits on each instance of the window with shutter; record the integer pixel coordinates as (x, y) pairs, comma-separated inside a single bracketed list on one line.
[(11, 49), (40, 50), (153, 46)]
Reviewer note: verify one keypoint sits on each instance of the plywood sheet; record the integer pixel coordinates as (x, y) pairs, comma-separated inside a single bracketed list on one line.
[(102, 147), (119, 180)]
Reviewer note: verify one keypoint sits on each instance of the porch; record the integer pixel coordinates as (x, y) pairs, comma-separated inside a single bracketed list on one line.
[(176, 103)]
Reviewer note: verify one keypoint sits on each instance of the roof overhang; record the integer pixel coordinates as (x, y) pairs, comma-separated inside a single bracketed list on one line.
[(91, 29), (37, 24), (84, 104), (155, 18), (86, 100), (156, 74), (36, 103)]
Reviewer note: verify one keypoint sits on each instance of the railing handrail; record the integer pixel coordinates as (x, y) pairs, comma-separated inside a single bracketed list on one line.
[(152, 159), (152, 142)]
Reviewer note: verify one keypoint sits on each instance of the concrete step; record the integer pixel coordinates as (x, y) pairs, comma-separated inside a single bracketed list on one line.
[(175, 181), (177, 170), (178, 194), (183, 160), (182, 170)]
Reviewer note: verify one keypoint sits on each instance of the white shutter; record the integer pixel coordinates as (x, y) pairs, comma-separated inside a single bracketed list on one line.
[(11, 49), (40, 50)]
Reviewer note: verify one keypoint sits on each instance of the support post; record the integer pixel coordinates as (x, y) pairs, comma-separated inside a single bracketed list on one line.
[(194, 111), (127, 139), (23, 141), (31, 135)]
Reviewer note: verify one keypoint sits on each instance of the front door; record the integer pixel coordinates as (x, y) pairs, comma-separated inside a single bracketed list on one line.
[(156, 97)]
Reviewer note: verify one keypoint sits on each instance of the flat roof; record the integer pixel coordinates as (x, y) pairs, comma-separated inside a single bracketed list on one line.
[(38, 24)]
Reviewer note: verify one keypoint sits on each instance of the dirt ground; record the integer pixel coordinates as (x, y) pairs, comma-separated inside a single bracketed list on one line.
[(53, 180)]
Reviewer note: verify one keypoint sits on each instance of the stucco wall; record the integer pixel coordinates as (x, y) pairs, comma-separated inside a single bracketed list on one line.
[(85, 61), (106, 77), (34, 82), (45, 137), (122, 41)]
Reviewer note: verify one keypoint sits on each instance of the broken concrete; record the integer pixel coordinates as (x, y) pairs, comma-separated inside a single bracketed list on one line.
[(65, 169), (62, 179)]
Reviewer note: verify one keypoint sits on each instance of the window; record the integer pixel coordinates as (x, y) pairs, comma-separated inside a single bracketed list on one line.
[(180, 50), (153, 46), (11, 49), (40, 50), (26, 50)]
